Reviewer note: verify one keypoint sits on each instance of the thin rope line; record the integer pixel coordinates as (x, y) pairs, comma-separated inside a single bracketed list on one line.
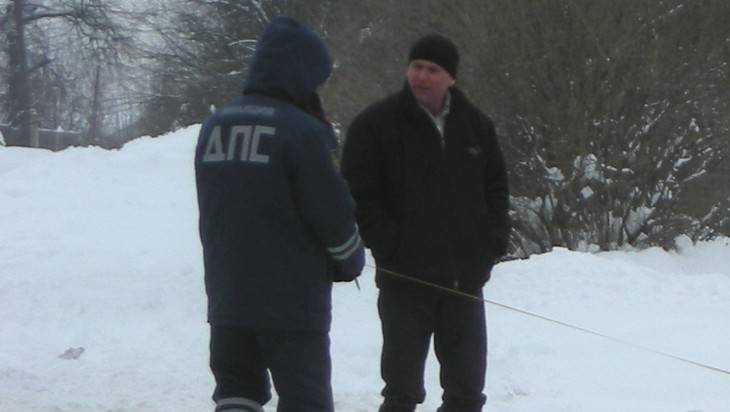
[(547, 319)]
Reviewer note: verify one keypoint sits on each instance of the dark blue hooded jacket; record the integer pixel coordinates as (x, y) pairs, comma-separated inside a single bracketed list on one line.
[(275, 213)]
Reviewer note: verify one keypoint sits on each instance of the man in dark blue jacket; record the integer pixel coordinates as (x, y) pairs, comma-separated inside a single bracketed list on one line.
[(277, 227)]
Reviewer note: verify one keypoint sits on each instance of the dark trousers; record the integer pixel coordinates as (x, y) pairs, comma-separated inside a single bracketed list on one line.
[(409, 318), (299, 363)]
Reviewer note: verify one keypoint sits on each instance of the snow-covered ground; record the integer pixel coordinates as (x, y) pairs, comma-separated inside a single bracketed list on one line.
[(99, 250)]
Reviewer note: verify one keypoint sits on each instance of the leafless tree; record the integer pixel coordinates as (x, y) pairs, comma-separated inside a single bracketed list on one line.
[(613, 115), (84, 28)]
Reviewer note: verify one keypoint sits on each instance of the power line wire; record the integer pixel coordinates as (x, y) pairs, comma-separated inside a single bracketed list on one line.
[(547, 319)]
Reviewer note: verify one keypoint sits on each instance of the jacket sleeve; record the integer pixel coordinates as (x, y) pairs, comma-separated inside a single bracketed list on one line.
[(362, 167), (324, 201), (496, 193)]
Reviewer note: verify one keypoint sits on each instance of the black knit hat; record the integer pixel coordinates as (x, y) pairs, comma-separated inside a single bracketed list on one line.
[(438, 49)]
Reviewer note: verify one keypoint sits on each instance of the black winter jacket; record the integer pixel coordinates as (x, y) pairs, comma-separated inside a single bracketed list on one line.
[(274, 212), (437, 214)]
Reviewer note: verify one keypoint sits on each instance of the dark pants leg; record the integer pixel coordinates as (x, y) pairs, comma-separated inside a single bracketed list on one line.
[(407, 320), (460, 343), (299, 363), (237, 363), (301, 368)]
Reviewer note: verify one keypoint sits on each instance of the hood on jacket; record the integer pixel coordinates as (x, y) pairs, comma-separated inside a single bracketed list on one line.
[(290, 59)]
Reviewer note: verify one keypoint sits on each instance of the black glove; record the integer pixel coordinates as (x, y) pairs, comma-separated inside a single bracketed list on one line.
[(350, 268)]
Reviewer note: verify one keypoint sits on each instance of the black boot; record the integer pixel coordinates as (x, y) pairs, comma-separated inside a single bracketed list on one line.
[(396, 407)]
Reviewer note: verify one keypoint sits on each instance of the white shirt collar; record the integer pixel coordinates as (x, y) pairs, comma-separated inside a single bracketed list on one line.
[(439, 120)]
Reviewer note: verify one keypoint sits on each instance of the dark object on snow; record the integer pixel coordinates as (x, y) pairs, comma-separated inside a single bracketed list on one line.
[(72, 353)]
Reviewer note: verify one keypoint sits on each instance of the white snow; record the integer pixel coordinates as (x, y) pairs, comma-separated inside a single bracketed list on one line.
[(693, 125), (554, 174), (103, 309), (586, 192)]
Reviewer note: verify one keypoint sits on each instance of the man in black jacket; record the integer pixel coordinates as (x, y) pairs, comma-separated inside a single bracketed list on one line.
[(277, 226), (429, 180)]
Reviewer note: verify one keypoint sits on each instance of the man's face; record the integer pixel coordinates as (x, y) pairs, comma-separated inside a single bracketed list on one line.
[(429, 83)]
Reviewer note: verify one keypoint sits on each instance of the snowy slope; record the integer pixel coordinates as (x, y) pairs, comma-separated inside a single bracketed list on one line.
[(99, 250)]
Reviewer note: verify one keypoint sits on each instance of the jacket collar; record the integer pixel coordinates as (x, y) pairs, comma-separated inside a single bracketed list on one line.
[(411, 109)]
